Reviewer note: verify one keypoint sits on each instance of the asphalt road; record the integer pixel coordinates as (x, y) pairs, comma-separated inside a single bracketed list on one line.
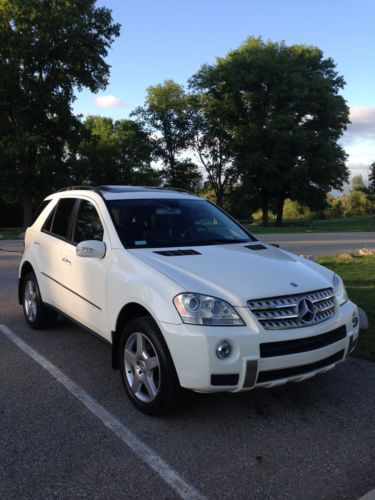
[(321, 243), (309, 440)]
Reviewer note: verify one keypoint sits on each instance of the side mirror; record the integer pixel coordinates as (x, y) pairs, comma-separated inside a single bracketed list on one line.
[(91, 248)]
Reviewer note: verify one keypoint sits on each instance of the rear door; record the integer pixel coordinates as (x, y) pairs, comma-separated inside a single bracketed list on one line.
[(51, 240)]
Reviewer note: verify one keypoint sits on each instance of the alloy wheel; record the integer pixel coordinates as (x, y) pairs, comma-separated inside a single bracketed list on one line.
[(30, 300), (142, 367)]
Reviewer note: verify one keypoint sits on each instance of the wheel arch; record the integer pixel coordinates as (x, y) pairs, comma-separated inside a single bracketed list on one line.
[(130, 311), (26, 268)]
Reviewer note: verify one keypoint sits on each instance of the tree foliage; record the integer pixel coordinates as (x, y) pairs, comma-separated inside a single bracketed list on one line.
[(370, 189), (48, 49), (166, 116), (212, 142), (113, 152), (357, 183), (284, 115), (371, 179)]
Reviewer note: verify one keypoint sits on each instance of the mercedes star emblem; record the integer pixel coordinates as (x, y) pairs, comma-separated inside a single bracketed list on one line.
[(306, 310)]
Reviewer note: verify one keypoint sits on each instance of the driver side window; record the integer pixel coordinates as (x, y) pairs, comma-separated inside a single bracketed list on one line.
[(88, 225)]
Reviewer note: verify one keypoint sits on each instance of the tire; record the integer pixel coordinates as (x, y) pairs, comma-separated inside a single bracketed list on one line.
[(37, 314), (146, 367)]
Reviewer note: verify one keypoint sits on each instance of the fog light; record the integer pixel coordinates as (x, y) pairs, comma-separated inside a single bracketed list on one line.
[(355, 320), (224, 349)]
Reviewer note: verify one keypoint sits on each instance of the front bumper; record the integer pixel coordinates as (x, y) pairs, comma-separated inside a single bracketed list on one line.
[(318, 348)]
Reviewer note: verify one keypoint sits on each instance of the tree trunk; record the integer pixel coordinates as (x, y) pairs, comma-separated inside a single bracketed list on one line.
[(27, 211), (265, 208), (279, 210), (219, 193)]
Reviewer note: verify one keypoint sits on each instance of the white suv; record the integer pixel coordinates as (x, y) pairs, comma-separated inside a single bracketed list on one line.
[(183, 293)]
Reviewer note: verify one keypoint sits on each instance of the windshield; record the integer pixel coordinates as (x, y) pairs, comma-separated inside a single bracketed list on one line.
[(154, 223)]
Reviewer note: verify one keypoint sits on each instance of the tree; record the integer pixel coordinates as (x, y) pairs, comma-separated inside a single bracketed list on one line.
[(371, 179), (357, 183), (370, 190), (282, 110), (117, 152), (359, 204), (167, 119), (212, 142), (48, 49), (186, 176)]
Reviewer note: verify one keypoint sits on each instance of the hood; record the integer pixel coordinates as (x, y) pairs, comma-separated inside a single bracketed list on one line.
[(236, 273)]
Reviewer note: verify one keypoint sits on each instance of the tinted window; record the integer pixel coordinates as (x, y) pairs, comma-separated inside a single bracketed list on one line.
[(48, 223), (39, 210), (88, 225), (58, 222), (173, 222)]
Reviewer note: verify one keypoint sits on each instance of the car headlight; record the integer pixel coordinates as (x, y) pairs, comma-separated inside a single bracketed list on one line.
[(198, 309), (339, 288)]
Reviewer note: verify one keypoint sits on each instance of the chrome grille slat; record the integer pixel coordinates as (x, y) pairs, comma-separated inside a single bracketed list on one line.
[(280, 313), (315, 301)]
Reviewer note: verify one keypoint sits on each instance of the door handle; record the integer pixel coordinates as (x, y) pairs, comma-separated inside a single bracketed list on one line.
[(36, 243), (66, 261)]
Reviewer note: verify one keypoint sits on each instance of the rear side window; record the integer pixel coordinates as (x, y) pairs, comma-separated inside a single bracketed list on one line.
[(59, 221), (88, 225), (39, 210)]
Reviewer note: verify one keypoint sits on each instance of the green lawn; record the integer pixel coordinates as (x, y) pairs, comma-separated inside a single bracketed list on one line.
[(359, 278), (10, 233), (365, 223)]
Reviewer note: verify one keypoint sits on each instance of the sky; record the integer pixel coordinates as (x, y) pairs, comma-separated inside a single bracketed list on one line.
[(171, 39)]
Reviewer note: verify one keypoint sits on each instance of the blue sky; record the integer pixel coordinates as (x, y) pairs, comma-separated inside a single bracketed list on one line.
[(168, 39)]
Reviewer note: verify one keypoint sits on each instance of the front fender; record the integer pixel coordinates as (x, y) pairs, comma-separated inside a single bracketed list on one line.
[(132, 281)]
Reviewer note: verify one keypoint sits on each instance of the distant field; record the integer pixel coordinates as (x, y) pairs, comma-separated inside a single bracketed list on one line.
[(349, 224), (359, 278), (10, 233)]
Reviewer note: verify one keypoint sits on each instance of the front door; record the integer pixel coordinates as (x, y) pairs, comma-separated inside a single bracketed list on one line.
[(86, 277)]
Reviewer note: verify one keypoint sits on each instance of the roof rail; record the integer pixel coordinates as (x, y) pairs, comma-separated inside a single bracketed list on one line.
[(171, 188), (83, 187), (100, 189)]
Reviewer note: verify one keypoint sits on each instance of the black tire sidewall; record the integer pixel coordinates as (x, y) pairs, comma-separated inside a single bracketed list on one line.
[(169, 385)]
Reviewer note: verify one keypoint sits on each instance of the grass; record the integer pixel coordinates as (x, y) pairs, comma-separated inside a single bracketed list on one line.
[(359, 278), (10, 233), (349, 224)]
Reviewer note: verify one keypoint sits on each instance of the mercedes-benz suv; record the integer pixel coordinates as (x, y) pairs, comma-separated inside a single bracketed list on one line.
[(185, 295)]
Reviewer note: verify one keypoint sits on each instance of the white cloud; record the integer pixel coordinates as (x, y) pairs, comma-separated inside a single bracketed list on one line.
[(108, 101), (359, 169), (359, 140), (363, 124)]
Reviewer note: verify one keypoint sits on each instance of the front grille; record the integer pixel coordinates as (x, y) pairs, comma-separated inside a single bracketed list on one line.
[(295, 346), (278, 313), (270, 375)]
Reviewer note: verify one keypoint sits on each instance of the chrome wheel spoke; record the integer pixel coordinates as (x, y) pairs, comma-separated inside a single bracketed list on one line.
[(130, 357), (151, 363), (150, 386), (141, 345), (136, 384)]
